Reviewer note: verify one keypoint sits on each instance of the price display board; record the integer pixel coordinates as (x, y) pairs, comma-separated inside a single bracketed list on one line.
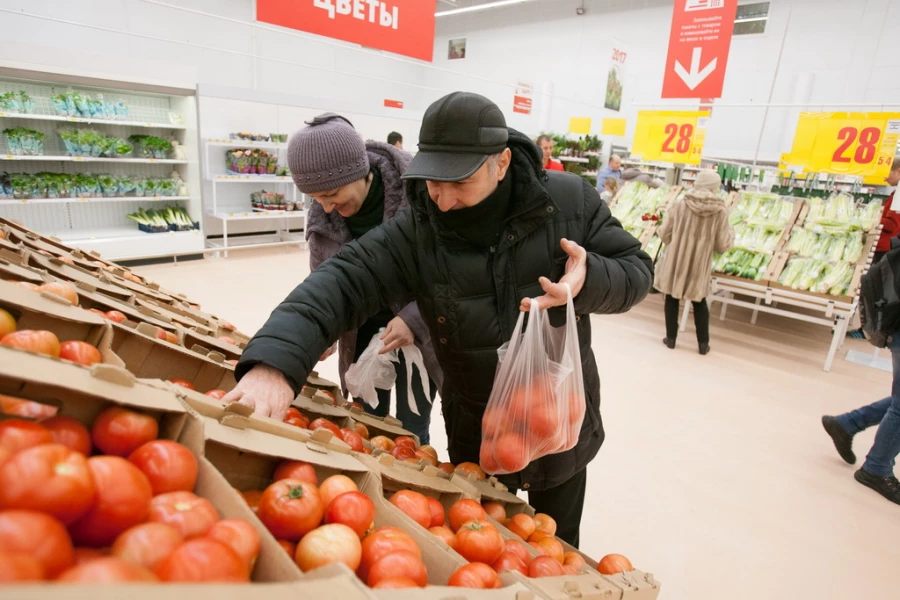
[(675, 136)]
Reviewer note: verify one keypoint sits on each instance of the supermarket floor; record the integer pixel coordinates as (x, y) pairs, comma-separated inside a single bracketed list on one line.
[(716, 475)]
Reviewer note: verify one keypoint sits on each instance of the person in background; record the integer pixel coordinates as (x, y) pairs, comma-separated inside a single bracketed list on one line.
[(613, 169), (694, 228), (635, 174), (395, 140), (487, 233), (610, 187), (545, 143), (890, 219), (356, 186)]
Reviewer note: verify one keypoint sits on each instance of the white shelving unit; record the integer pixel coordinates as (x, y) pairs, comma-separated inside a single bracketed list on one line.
[(238, 208), (574, 159), (100, 223)]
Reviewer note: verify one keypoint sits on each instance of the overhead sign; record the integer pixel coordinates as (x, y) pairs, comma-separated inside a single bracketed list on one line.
[(523, 98), (400, 26), (613, 127), (614, 79), (580, 125), (698, 48), (675, 136), (846, 143)]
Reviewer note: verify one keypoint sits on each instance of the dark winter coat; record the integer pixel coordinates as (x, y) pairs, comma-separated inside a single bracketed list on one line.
[(327, 233), (469, 297)]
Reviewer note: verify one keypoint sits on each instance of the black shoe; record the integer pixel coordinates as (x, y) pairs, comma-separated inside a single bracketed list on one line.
[(704, 349), (669, 343), (888, 487), (843, 441)]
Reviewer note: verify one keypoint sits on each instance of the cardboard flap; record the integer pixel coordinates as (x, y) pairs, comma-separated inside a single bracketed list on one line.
[(70, 273), (389, 469), (45, 303), (200, 349), (216, 357), (56, 298), (84, 285), (113, 374), (147, 329)]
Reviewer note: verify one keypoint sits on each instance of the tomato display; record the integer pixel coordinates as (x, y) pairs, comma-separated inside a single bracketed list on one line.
[(334, 486), (352, 439), (398, 564), (70, 433), (17, 434), (509, 561), (362, 430), (119, 431), (468, 468), (252, 498), (574, 560), (464, 511), (522, 525), (475, 575), (395, 583), (296, 469), (545, 523), (7, 323), (26, 408), (380, 543), (291, 508), (518, 548), (240, 536), (495, 510), (353, 509), (38, 535), (114, 315), (62, 289), (479, 541), (50, 478), (445, 534), (382, 443), (403, 452), (168, 465), (437, 512), (321, 423), (39, 342), (191, 515), (545, 566), (147, 544), (183, 383), (553, 548), (614, 563), (330, 543), (216, 394), (203, 560), (81, 353), (106, 570), (415, 505), (405, 440), (16, 568)]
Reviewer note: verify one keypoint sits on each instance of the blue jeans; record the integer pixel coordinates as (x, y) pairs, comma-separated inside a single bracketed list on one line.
[(884, 413)]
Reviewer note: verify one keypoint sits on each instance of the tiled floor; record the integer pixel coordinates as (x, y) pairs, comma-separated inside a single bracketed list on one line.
[(716, 475)]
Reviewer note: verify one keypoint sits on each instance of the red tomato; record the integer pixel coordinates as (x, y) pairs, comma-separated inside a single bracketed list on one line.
[(430, 450), (395, 583), (522, 525), (147, 544), (183, 383), (467, 468), (493, 423), (520, 549), (49, 478), (576, 408), (543, 420), (289, 547), (326, 424), (161, 334), (405, 440), (447, 468), (188, 513), (475, 575), (352, 439), (252, 498), (296, 418), (122, 501), (330, 395), (226, 339), (18, 567), (614, 563), (119, 431), (426, 456), (99, 313), (495, 510), (486, 458), (217, 394), (413, 504), (545, 566), (290, 509), (545, 523), (295, 469), (573, 559), (382, 443), (380, 543), (403, 453), (479, 541), (26, 408), (398, 564), (107, 570), (362, 430), (39, 342), (352, 404), (86, 555), (80, 352), (16, 435), (509, 561), (7, 323), (70, 433), (240, 536), (538, 536), (206, 560), (437, 512), (463, 511), (114, 315), (552, 547), (445, 534), (39, 536), (511, 452), (329, 544), (59, 288), (171, 337), (334, 486), (353, 509), (169, 466)]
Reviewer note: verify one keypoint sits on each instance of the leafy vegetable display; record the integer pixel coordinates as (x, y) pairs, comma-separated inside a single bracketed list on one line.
[(170, 218), (839, 214), (149, 146), (759, 222), (741, 263), (24, 142), (814, 275), (91, 143), (75, 104), (23, 186), (17, 102), (634, 202)]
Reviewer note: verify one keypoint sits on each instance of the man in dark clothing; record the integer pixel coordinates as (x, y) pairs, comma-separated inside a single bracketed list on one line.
[(395, 140), (890, 218), (487, 229)]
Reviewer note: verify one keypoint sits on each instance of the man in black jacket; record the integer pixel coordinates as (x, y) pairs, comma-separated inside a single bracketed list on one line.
[(486, 230)]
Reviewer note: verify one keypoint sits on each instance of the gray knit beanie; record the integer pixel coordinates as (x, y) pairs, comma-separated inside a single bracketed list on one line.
[(327, 155)]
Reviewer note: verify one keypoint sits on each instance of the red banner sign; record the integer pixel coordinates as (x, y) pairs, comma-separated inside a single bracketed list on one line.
[(401, 26), (522, 99), (393, 103), (698, 48)]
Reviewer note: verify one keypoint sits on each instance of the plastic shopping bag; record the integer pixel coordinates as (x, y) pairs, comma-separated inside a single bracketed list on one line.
[(374, 370), (537, 403)]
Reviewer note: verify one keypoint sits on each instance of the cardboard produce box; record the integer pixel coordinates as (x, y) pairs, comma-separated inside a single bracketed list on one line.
[(91, 298), (44, 311), (167, 312), (151, 358), (197, 337), (320, 383), (66, 272), (388, 426), (491, 490), (320, 405), (12, 268)]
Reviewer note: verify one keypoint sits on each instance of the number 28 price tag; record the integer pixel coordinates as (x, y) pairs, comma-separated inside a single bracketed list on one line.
[(670, 136)]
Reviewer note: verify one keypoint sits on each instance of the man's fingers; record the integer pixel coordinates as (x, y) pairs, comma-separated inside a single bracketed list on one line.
[(232, 396), (572, 249), (248, 400)]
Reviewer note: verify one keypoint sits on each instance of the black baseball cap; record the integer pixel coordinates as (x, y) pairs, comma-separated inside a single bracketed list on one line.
[(458, 134)]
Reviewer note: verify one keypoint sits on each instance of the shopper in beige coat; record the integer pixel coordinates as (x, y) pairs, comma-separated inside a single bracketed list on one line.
[(694, 228)]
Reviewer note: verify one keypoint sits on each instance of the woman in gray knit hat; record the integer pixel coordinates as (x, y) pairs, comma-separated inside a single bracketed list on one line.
[(356, 187)]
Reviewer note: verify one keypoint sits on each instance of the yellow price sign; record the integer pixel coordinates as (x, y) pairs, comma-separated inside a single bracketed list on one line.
[(675, 136), (846, 143)]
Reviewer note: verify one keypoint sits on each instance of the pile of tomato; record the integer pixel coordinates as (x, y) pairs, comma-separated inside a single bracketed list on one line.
[(110, 504), (45, 342)]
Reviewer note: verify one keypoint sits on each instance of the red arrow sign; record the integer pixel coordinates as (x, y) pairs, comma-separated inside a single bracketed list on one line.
[(698, 48)]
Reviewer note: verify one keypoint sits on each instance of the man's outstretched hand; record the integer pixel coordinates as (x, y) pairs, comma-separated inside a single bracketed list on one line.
[(555, 293), (264, 389)]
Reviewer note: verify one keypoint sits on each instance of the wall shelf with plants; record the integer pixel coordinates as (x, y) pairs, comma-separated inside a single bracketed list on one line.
[(579, 155), (81, 158)]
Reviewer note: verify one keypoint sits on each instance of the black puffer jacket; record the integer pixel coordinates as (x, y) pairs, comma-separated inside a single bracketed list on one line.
[(469, 297)]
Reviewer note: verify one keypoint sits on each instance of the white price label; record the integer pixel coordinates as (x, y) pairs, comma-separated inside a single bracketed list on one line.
[(78, 159), (153, 160), (9, 157), (148, 124), (82, 199)]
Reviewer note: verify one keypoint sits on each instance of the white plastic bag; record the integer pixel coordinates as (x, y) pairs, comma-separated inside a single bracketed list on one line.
[(537, 404), (374, 370)]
